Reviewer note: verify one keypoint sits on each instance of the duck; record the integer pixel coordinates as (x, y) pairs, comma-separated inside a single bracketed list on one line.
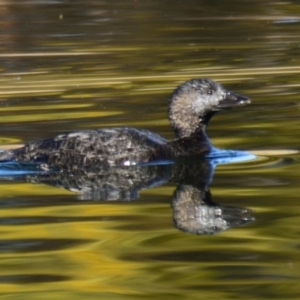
[(190, 108)]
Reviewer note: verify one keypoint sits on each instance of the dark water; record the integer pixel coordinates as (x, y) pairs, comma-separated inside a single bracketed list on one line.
[(69, 65)]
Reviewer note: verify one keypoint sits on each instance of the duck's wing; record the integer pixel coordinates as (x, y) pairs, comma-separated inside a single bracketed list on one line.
[(111, 147)]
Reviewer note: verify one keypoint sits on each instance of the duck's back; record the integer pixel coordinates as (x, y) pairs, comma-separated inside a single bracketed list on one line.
[(108, 147)]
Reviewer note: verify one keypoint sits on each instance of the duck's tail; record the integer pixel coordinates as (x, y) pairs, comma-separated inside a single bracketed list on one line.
[(6, 155)]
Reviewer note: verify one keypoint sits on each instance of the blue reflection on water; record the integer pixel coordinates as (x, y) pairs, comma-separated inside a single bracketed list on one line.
[(220, 157), (13, 168)]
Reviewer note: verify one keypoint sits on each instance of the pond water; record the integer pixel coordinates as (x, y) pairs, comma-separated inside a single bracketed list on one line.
[(70, 65)]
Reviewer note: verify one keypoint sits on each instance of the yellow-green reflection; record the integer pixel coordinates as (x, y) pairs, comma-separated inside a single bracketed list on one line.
[(69, 66)]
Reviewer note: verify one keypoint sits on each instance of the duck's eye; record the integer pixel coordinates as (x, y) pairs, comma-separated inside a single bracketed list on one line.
[(209, 92)]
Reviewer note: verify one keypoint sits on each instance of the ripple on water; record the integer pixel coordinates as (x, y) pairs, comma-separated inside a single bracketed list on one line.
[(266, 159), (38, 245), (32, 278)]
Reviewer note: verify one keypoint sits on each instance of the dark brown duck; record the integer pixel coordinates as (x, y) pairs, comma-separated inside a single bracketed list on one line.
[(191, 106)]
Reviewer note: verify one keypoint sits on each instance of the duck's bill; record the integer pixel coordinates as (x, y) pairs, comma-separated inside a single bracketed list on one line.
[(233, 100)]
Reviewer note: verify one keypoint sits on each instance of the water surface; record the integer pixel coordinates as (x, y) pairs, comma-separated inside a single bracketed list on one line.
[(75, 65)]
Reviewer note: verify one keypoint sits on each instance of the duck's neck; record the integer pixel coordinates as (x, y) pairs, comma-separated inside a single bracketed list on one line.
[(197, 143)]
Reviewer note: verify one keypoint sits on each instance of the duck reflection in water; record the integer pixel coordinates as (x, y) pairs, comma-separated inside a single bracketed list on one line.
[(193, 208)]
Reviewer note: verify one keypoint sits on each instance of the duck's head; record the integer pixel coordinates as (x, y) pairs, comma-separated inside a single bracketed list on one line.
[(194, 102)]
